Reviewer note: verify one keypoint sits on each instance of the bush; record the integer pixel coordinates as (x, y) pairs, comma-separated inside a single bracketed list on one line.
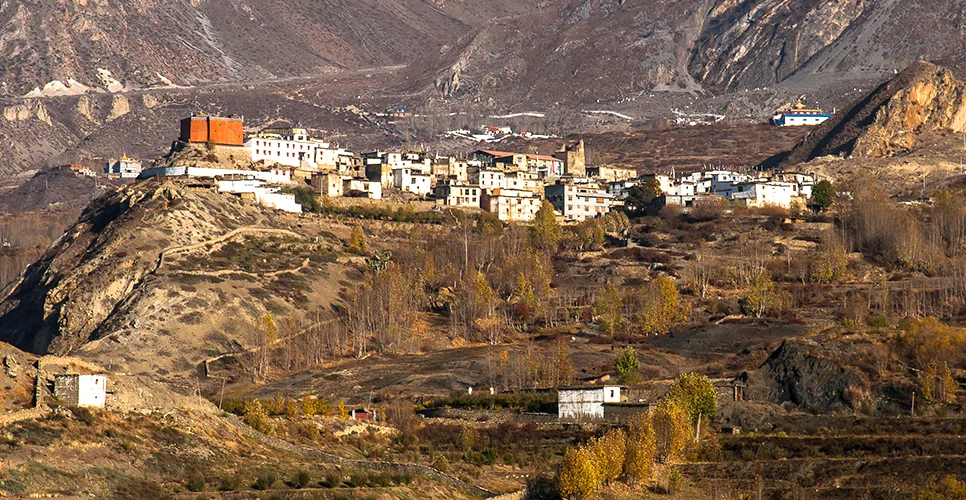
[(877, 321), (358, 480), (256, 417), (196, 482), (332, 480), (302, 479), (230, 483), (627, 365), (265, 480)]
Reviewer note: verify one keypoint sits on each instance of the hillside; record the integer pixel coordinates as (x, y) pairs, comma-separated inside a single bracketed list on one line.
[(68, 47), (574, 62), (894, 118), (118, 277)]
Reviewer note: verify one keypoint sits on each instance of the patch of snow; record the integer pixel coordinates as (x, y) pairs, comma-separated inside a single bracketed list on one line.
[(517, 115), (612, 113)]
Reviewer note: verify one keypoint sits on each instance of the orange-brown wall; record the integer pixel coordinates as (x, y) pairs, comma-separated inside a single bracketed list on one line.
[(227, 132), (223, 131), (194, 129)]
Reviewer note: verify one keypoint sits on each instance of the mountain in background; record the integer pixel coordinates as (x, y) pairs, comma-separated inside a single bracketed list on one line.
[(135, 44), (103, 78)]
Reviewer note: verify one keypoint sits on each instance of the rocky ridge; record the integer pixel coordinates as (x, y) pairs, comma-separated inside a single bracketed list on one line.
[(892, 119)]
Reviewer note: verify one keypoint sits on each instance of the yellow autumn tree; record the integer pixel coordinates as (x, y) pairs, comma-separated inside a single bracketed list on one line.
[(672, 429), (608, 308), (661, 307), (578, 475), (609, 451), (357, 242), (545, 233), (640, 450)]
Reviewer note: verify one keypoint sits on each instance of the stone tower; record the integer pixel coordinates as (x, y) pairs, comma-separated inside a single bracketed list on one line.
[(574, 159)]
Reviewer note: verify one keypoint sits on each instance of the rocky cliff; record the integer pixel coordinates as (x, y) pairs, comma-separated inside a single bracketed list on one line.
[(891, 119)]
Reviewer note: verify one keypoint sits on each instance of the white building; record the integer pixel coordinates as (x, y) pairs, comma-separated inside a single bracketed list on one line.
[(454, 194), (266, 196), (362, 187), (488, 178), (761, 194), (81, 390), (523, 180), (586, 403), (125, 167), (511, 204), (327, 184), (412, 181), (295, 148), (577, 202)]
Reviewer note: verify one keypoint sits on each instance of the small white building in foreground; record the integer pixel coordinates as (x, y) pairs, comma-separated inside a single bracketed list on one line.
[(585, 403), (81, 390)]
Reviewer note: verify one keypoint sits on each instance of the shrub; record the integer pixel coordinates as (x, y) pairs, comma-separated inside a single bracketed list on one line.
[(196, 482), (878, 321), (302, 479), (256, 418), (627, 365), (230, 483), (332, 480), (265, 480), (358, 480)]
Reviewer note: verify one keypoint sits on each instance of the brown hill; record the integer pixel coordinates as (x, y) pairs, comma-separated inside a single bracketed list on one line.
[(156, 278), (894, 118)]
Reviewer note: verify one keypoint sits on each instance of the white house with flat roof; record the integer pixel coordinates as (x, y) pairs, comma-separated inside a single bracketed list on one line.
[(585, 403), (577, 202), (81, 390)]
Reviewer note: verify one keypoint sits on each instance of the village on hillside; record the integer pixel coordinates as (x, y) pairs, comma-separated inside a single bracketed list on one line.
[(510, 185)]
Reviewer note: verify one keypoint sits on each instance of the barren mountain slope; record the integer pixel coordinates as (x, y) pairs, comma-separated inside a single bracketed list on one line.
[(167, 275), (892, 119), (151, 42), (610, 52)]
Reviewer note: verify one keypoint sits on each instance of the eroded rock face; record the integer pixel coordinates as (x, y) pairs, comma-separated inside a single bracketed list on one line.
[(934, 101), (802, 374), (891, 119), (751, 43)]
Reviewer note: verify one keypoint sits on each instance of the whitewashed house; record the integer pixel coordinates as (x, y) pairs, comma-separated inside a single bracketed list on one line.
[(585, 403), (81, 390), (412, 181), (511, 204), (455, 194), (126, 168), (577, 202), (295, 148)]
